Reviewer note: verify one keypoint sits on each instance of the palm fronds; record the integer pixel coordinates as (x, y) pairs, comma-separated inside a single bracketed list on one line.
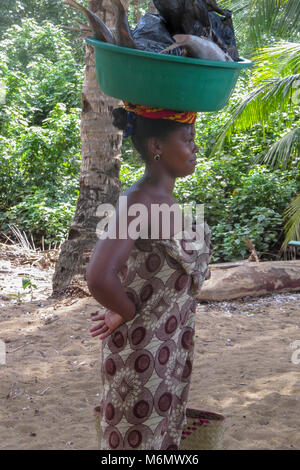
[(281, 59), (262, 17), (283, 152), (292, 218), (275, 94), (275, 77)]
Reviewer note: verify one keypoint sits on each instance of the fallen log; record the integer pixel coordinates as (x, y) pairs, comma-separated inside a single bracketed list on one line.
[(251, 279)]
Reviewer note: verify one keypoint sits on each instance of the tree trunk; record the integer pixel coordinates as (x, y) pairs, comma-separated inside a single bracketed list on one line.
[(99, 176)]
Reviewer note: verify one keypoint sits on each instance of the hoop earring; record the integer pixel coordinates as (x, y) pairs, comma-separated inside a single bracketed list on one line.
[(157, 157)]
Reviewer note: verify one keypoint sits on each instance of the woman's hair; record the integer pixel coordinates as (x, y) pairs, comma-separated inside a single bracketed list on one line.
[(143, 128)]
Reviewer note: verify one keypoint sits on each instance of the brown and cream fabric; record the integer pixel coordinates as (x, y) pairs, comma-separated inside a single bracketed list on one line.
[(146, 364)]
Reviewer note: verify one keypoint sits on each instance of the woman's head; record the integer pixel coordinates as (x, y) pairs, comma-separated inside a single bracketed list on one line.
[(173, 141)]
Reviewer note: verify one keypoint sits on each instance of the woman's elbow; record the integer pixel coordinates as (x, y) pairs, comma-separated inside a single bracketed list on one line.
[(95, 281), (98, 280)]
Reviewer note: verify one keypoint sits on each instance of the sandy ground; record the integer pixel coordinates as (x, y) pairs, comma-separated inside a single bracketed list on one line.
[(49, 385)]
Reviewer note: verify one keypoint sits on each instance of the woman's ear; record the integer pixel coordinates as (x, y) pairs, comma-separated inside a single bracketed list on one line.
[(154, 146)]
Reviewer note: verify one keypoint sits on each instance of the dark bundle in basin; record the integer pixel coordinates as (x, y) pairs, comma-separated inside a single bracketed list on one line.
[(201, 29), (151, 34), (189, 17)]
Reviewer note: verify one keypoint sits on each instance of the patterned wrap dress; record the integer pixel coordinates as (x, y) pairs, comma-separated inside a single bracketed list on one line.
[(146, 363)]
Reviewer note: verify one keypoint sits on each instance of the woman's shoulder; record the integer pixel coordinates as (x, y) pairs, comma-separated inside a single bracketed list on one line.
[(135, 194)]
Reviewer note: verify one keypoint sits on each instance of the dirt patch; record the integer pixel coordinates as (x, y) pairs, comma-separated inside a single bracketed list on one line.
[(49, 385)]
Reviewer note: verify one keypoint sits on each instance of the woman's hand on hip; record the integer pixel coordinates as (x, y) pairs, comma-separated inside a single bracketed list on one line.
[(108, 322)]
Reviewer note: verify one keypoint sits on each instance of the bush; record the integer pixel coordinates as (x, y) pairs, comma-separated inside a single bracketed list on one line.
[(42, 215), (40, 130)]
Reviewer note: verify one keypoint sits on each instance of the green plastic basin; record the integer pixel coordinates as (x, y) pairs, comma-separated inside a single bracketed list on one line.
[(165, 81)]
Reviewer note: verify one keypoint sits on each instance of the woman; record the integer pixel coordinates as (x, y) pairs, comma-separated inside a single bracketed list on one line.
[(148, 286)]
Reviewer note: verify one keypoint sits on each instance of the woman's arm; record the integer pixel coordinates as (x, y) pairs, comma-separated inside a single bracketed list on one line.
[(108, 258)]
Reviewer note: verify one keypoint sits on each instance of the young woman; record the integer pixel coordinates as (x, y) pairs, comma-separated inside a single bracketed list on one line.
[(148, 286)]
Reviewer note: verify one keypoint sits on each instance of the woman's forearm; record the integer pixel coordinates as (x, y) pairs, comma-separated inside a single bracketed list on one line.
[(112, 296)]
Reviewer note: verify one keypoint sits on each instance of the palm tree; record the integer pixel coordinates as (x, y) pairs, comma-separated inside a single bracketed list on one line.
[(275, 82), (99, 177), (262, 20)]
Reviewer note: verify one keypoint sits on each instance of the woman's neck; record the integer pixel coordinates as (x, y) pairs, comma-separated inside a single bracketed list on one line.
[(160, 180)]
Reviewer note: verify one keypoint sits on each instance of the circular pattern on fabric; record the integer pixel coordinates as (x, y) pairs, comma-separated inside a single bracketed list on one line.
[(135, 438), (112, 365), (137, 435), (113, 438), (181, 282), (172, 262), (171, 290), (176, 373), (112, 413), (171, 325), (162, 356), (139, 336), (153, 262), (163, 399), (177, 248), (142, 408), (186, 312), (146, 292), (176, 417), (142, 362), (187, 370), (151, 265), (151, 292), (133, 296), (185, 393), (117, 341), (168, 328), (144, 244), (186, 338), (109, 412)]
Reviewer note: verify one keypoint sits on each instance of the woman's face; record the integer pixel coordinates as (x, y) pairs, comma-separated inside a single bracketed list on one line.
[(178, 152)]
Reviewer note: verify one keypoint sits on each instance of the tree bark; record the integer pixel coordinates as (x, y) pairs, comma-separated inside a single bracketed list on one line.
[(99, 176)]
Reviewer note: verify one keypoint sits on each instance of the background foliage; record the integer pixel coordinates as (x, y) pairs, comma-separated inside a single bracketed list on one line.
[(42, 65)]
